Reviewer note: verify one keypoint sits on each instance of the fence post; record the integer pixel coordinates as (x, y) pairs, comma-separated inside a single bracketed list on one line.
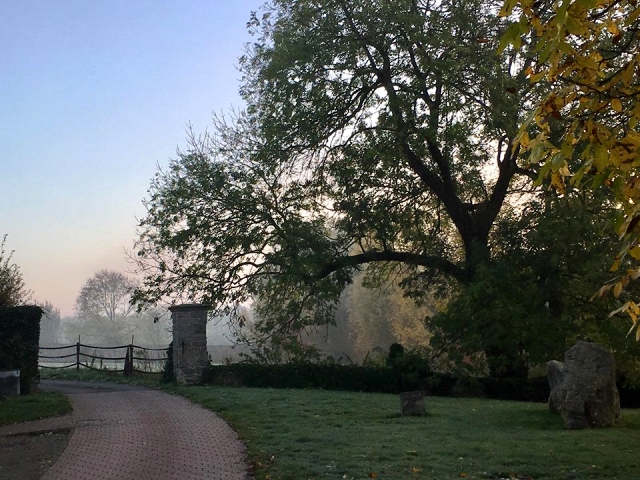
[(78, 355), (128, 362)]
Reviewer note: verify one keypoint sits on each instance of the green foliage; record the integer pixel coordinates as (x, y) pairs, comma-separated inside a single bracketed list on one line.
[(33, 407), (303, 375), (498, 313), (13, 291), (369, 138), (19, 343), (552, 257), (585, 128)]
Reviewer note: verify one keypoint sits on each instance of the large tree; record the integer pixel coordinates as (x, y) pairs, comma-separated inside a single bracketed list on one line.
[(377, 133)]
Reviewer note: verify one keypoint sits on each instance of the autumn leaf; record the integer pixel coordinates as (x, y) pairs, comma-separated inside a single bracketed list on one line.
[(592, 109)]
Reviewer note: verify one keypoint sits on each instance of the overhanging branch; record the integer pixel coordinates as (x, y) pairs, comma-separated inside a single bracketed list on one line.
[(429, 261)]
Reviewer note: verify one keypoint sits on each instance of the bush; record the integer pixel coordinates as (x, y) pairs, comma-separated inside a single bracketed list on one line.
[(371, 379), (303, 375), (19, 343)]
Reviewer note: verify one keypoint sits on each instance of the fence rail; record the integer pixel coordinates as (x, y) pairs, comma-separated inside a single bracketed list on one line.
[(136, 358)]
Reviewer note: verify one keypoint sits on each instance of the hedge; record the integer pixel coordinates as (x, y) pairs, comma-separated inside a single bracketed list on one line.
[(302, 375), (19, 339), (386, 380), (372, 379)]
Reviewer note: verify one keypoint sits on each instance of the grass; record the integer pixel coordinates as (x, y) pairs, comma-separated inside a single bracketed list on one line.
[(296, 434), (33, 407), (87, 375), (301, 434)]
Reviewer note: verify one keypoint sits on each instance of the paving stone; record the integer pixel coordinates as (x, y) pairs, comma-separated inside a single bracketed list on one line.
[(138, 433)]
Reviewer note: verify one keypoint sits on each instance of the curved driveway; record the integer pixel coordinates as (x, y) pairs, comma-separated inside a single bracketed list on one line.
[(128, 432)]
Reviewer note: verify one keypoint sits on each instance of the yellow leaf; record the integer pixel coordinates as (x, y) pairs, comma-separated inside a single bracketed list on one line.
[(617, 289), (558, 183), (615, 266), (635, 252), (627, 74), (616, 104), (618, 310), (612, 27)]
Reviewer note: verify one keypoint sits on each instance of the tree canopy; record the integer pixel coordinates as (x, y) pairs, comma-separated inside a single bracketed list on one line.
[(376, 133), (585, 129)]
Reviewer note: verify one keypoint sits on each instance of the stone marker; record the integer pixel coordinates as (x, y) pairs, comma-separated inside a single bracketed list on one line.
[(412, 404), (10, 383), (583, 389)]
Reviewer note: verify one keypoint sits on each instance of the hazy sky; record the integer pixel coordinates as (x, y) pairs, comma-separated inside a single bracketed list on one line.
[(93, 96)]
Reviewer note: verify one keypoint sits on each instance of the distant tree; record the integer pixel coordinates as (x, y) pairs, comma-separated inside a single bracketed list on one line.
[(50, 325), (105, 316), (12, 287), (103, 308), (380, 315)]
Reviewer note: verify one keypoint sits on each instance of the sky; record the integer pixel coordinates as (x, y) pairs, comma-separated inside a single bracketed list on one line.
[(94, 96)]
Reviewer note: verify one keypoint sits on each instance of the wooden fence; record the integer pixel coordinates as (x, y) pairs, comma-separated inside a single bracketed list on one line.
[(135, 359)]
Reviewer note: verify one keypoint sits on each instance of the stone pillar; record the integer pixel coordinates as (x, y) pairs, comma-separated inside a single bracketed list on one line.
[(189, 342)]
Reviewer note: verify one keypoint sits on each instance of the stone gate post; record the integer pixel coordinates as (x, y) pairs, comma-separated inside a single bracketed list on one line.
[(189, 342)]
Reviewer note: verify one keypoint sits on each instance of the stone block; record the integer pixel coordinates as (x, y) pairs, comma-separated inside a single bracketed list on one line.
[(412, 404), (10, 383), (583, 389)]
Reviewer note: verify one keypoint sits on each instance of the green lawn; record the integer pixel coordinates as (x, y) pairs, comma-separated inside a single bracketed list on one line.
[(299, 434), (33, 407), (87, 375), (303, 434)]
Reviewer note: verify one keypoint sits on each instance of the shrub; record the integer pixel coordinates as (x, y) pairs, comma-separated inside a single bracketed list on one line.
[(303, 375), (371, 379)]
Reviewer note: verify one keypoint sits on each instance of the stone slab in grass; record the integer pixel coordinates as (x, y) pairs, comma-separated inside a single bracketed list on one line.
[(412, 404)]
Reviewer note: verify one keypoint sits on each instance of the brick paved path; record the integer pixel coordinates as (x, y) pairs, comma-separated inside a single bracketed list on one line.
[(126, 432)]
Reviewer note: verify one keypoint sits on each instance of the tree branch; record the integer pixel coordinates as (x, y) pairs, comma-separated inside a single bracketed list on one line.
[(429, 261)]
